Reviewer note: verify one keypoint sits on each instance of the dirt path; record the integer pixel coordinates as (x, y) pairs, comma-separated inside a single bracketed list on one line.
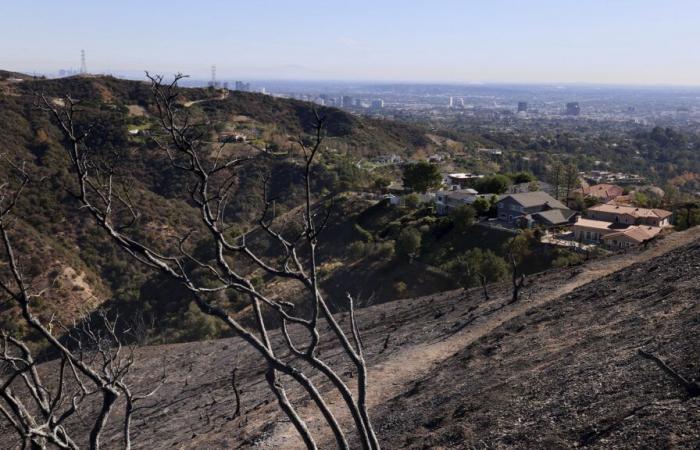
[(392, 376), (223, 96)]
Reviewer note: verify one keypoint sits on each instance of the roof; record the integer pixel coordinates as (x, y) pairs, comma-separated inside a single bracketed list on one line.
[(631, 210), (464, 176), (602, 190), (635, 233), (597, 224), (535, 198), (555, 216), (459, 193)]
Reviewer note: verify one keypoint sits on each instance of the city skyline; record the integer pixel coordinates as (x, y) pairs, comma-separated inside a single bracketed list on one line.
[(624, 42)]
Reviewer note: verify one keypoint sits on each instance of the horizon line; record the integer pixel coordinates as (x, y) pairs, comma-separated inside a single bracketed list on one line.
[(125, 75)]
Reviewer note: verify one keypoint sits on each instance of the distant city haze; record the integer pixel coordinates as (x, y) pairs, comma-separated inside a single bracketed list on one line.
[(631, 42)]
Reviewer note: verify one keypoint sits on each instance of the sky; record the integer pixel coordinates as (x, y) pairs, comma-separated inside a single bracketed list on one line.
[(645, 42)]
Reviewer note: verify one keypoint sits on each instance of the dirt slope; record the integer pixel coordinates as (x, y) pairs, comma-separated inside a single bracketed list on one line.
[(557, 370), (417, 362)]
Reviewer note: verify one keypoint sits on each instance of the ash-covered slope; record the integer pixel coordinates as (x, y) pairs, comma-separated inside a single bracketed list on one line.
[(558, 369), (568, 373)]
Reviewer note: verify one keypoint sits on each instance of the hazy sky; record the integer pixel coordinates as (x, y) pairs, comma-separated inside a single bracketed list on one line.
[(601, 41)]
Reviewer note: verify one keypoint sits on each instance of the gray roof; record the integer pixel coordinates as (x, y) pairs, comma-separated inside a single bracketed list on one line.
[(536, 198), (459, 194), (554, 216)]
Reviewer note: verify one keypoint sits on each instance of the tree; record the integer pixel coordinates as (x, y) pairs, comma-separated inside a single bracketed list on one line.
[(411, 201), (577, 202), (494, 184), (482, 206), (381, 183), (518, 248), (556, 178), (477, 267), (408, 244), (463, 217), (571, 180), (422, 176), (92, 362), (522, 177), (687, 215), (103, 194)]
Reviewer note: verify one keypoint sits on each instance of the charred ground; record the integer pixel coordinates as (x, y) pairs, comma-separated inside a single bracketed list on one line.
[(558, 369)]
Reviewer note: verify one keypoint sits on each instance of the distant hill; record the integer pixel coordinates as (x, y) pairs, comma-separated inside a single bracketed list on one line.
[(4, 75), (66, 246)]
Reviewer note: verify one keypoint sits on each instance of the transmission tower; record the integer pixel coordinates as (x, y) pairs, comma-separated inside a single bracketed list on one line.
[(83, 65), (212, 83)]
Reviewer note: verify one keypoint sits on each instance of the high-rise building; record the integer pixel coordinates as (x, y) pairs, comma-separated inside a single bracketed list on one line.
[(522, 106), (378, 104), (346, 101), (241, 86), (451, 103), (573, 109)]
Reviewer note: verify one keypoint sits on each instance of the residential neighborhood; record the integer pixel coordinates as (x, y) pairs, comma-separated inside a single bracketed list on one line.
[(611, 220)]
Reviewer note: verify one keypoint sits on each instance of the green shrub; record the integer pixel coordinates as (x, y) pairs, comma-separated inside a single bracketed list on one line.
[(358, 249), (400, 287), (365, 235), (463, 217), (408, 243), (411, 201), (384, 250)]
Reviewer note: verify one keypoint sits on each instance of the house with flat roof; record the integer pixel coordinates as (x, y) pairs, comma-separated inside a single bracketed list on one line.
[(460, 180)]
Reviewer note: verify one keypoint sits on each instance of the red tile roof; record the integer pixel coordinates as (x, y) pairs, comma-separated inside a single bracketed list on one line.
[(631, 211), (604, 191)]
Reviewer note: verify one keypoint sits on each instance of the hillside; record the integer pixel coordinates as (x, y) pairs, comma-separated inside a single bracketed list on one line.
[(64, 244), (558, 369)]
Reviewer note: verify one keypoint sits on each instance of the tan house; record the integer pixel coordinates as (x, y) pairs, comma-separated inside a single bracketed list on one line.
[(587, 230), (610, 234), (629, 215), (634, 235)]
